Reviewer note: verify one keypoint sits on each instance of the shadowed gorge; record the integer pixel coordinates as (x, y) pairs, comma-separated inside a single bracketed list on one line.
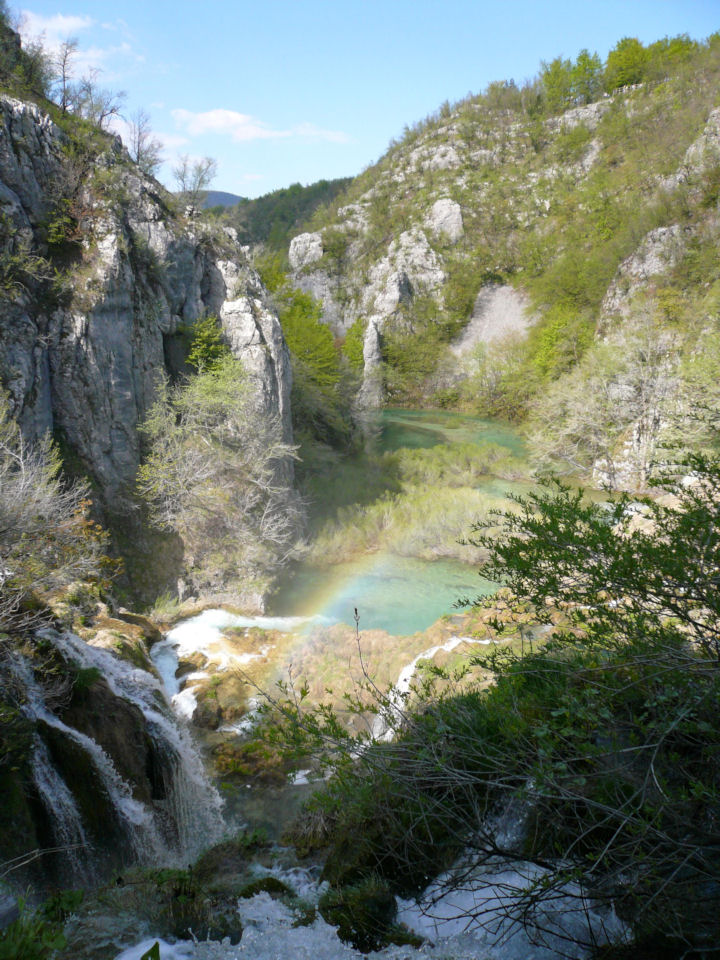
[(359, 542)]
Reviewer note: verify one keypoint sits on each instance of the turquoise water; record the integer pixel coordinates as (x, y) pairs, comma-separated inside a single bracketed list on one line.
[(427, 428), (401, 595)]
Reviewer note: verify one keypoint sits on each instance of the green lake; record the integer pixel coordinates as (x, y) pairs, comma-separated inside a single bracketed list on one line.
[(399, 594)]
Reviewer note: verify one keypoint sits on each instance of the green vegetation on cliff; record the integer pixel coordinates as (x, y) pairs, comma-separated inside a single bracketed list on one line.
[(322, 379), (217, 475), (593, 191)]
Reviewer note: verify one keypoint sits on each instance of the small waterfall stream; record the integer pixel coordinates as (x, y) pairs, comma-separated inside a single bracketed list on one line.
[(193, 804), (173, 828), (60, 803), (385, 722)]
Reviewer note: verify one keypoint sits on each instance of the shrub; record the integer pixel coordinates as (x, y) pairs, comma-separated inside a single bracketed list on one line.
[(362, 913), (47, 539), (207, 348), (30, 937), (217, 474), (605, 741), (353, 345)]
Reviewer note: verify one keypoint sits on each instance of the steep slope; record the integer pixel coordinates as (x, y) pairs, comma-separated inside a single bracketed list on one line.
[(102, 281), (498, 244)]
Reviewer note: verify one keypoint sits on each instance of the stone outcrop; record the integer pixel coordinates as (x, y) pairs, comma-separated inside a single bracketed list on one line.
[(305, 249), (83, 361), (500, 311), (445, 219), (657, 253)]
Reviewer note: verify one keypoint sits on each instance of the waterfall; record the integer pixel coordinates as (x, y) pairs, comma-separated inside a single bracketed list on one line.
[(391, 713), (61, 806), (184, 818), (136, 819), (193, 805)]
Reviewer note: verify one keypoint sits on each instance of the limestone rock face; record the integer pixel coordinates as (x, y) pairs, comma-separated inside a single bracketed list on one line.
[(658, 252), (445, 218), (500, 310), (84, 362), (410, 267), (325, 289), (371, 391), (254, 334), (305, 249)]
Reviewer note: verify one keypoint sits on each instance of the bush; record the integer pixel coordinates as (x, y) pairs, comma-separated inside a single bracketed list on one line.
[(217, 474), (47, 539), (353, 345), (208, 347), (363, 913), (322, 381), (30, 937), (605, 741)]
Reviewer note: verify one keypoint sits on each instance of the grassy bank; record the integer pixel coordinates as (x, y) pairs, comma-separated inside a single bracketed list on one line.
[(416, 503)]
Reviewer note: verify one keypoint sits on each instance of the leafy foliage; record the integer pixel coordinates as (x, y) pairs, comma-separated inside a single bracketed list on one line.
[(322, 382), (216, 473), (353, 344), (30, 937), (208, 348), (273, 218), (604, 740), (47, 539)]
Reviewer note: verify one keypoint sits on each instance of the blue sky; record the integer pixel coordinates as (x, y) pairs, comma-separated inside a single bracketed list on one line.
[(280, 91)]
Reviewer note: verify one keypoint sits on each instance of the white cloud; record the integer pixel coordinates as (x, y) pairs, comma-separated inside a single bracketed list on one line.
[(317, 133), (52, 30), (171, 141), (238, 126), (243, 127)]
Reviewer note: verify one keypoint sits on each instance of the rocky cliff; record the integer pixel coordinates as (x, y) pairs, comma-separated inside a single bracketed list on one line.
[(101, 281), (501, 247)]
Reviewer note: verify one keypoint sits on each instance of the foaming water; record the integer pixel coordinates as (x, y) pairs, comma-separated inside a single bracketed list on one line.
[(391, 715), (204, 634), (184, 816), (192, 803)]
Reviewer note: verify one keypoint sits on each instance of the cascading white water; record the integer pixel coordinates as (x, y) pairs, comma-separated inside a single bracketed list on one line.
[(169, 830), (204, 634), (391, 714), (193, 805), (61, 806), (136, 819)]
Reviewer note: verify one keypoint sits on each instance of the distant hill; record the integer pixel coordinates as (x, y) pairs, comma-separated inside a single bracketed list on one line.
[(219, 198), (275, 217), (546, 253)]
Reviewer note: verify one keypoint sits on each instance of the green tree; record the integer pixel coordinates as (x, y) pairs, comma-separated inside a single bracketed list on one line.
[(308, 339), (626, 64), (605, 740), (353, 345), (208, 347), (557, 81), (322, 383), (216, 474), (587, 77)]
